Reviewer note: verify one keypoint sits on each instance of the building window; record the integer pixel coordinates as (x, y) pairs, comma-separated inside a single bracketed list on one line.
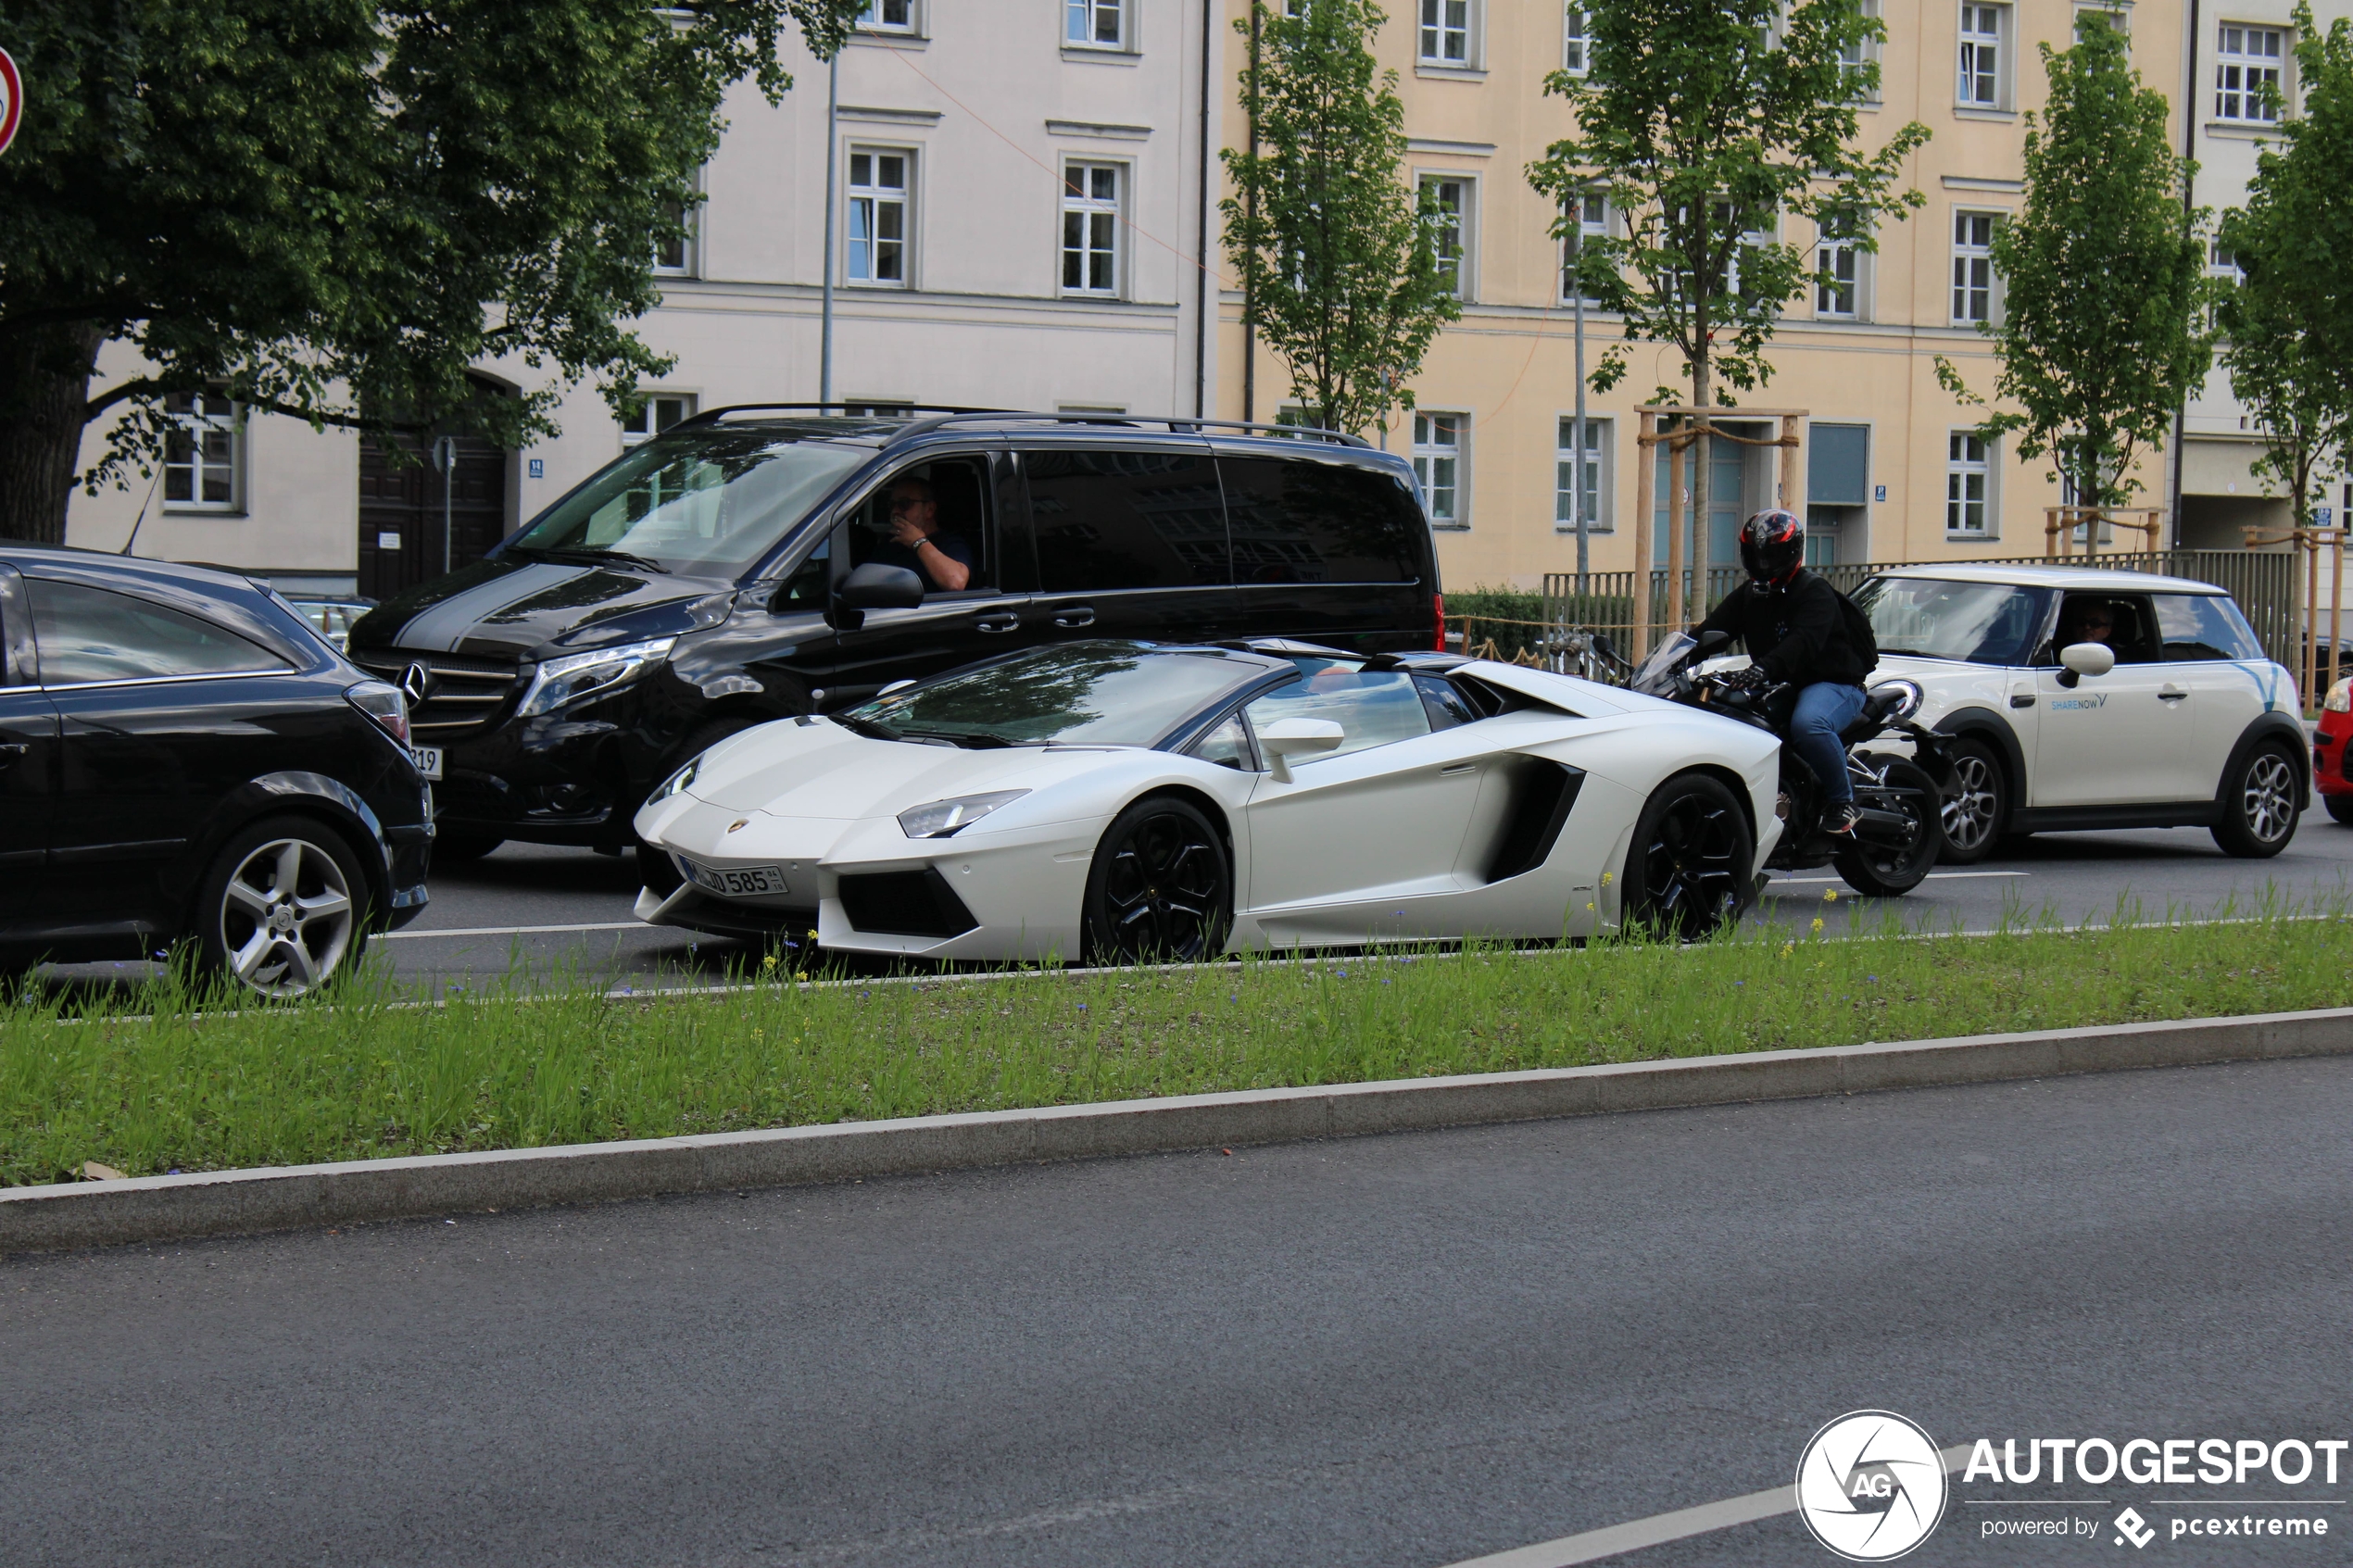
[(1592, 223), (878, 218), (1446, 32), (2117, 16), (674, 253), (1984, 55), (1438, 454), (1837, 273), (1095, 24), (200, 452), (1861, 52), (1571, 477), (1450, 195), (1973, 266), (1968, 474), (889, 16), (1577, 44), (878, 408), (2247, 62), (655, 412), (1090, 228)]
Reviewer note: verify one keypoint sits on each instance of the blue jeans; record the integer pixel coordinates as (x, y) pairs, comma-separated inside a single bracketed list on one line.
[(1824, 709)]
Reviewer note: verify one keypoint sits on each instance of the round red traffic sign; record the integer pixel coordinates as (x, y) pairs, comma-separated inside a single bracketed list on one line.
[(11, 100)]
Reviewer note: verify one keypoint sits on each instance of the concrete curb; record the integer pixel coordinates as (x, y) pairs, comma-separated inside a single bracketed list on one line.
[(109, 1213)]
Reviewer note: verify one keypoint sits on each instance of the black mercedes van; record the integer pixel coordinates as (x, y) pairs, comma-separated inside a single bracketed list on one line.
[(754, 563)]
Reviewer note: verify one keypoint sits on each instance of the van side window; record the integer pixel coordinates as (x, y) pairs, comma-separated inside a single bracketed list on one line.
[(812, 581), (1297, 520), (1107, 520), (925, 516)]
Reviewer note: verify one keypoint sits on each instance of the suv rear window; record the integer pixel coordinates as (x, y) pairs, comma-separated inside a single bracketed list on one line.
[(1299, 521)]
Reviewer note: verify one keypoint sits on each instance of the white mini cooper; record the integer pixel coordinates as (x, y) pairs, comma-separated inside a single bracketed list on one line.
[(2087, 698)]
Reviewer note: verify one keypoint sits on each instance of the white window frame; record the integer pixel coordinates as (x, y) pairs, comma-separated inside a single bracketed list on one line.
[(1430, 451), (1866, 52), (195, 424), (1576, 39), (2239, 71), (1984, 26), (1829, 247), (866, 204), (1436, 29), (1088, 207), (2118, 12), (1464, 226), (1601, 471), (689, 262), (877, 18), (1971, 456), (657, 411), (1592, 223), (1967, 252), (1083, 22)]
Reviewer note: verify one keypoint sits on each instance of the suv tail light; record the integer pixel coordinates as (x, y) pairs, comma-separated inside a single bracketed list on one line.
[(1437, 613), (383, 703)]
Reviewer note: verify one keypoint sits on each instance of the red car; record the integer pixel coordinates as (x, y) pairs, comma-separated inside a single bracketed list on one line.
[(2330, 781)]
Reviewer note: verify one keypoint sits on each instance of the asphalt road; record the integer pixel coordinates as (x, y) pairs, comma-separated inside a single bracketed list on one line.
[(1405, 1350)]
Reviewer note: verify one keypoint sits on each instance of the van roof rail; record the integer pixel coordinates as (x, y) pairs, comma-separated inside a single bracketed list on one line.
[(935, 416)]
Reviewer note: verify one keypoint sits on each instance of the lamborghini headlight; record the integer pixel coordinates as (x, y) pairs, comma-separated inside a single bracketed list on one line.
[(2340, 697), (559, 681), (676, 783), (944, 818)]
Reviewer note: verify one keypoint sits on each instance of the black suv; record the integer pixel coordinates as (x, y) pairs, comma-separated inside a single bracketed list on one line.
[(182, 753), (755, 563)]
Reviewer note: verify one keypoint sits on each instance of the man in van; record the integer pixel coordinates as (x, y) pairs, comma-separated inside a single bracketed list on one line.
[(943, 560), (1799, 630)]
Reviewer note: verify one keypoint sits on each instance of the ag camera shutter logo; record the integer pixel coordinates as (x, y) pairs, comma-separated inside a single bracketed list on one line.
[(1872, 1486)]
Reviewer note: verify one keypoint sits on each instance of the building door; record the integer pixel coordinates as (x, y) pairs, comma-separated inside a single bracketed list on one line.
[(401, 505)]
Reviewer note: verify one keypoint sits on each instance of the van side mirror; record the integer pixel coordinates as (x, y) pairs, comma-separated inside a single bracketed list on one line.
[(872, 586), (2084, 659)]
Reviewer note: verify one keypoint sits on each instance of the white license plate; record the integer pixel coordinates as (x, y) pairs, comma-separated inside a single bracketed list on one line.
[(740, 881), (428, 759)]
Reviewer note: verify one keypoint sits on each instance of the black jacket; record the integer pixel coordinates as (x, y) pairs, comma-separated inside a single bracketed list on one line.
[(1796, 633)]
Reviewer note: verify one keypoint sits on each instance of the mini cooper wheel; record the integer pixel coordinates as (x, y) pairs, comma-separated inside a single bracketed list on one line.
[(1975, 804), (2258, 804), (284, 908), (1688, 871), (1161, 889)]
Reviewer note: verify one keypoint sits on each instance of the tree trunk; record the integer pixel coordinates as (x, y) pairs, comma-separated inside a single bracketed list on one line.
[(44, 387)]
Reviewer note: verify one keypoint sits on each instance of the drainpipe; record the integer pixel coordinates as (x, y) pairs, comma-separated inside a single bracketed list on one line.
[(2189, 204), (833, 172), (1201, 284), (1250, 336)]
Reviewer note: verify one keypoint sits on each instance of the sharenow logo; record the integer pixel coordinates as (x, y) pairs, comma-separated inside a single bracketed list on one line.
[(2130, 1527), (1870, 1486)]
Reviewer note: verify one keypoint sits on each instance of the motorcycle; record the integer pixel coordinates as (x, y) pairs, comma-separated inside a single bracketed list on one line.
[(1902, 827)]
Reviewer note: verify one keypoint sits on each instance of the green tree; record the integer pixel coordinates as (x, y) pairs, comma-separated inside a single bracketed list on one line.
[(334, 207), (2287, 327), (1706, 123), (1339, 261), (2102, 335)]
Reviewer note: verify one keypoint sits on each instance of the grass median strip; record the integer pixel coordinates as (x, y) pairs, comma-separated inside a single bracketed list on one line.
[(170, 1080)]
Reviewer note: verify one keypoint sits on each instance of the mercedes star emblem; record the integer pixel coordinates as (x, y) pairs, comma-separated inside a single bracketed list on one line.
[(416, 683)]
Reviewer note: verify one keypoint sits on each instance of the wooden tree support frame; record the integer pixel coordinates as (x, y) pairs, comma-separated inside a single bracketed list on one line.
[(2312, 541), (1678, 438), (2060, 523)]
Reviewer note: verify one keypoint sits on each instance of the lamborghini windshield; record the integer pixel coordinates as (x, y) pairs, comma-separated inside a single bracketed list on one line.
[(703, 498), (1082, 693)]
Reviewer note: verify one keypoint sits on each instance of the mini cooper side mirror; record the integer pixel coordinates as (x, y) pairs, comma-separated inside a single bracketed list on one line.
[(872, 586), (2086, 659), (1287, 738)]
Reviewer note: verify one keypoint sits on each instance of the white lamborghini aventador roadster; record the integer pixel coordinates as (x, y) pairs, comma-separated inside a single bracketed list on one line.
[(1120, 801)]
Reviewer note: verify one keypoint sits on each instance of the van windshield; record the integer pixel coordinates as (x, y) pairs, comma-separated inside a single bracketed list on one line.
[(709, 499)]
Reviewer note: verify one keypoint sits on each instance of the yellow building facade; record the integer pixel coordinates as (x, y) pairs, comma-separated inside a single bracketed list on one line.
[(1890, 472)]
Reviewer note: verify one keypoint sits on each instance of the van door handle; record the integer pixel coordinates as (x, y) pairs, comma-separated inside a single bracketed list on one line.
[(997, 620), (10, 751), (2170, 693), (1075, 617)]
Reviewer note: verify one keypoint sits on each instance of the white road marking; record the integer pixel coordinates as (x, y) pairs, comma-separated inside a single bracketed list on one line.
[(1657, 1530), (516, 930), (1933, 876)]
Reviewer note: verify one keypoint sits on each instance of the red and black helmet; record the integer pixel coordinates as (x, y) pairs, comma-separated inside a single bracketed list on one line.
[(1772, 547)]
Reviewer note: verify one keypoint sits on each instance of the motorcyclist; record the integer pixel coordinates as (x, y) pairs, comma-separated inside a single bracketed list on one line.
[(1796, 628)]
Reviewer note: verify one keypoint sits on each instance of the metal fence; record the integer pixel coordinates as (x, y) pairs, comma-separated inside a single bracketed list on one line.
[(2265, 584)]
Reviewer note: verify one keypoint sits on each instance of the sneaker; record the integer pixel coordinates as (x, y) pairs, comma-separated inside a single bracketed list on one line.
[(1842, 819)]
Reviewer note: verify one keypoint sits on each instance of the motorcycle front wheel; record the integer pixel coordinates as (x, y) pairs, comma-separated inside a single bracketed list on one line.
[(1888, 871)]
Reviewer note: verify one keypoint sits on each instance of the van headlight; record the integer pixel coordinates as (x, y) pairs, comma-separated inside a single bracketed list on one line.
[(2340, 697), (944, 818), (560, 681)]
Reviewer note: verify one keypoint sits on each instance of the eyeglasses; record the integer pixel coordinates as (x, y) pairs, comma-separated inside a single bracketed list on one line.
[(907, 502)]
